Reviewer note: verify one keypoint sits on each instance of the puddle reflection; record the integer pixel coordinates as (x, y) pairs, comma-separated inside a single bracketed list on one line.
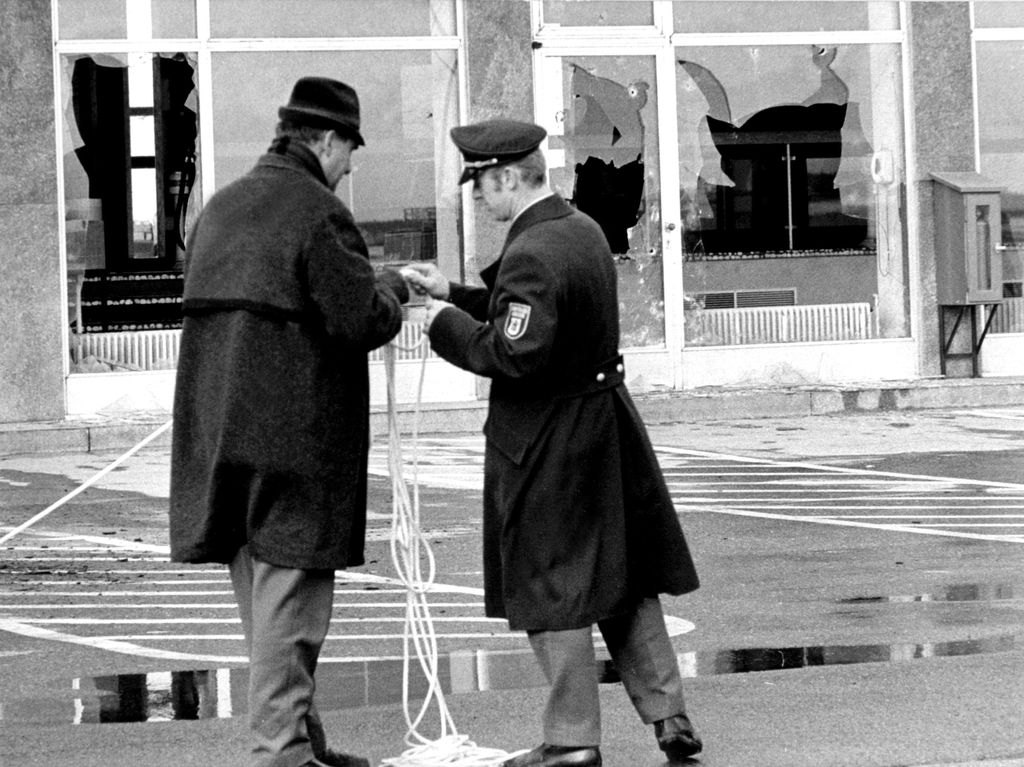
[(960, 592), (221, 693)]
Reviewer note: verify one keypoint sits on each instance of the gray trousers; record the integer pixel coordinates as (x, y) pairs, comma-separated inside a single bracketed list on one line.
[(285, 617), (642, 652)]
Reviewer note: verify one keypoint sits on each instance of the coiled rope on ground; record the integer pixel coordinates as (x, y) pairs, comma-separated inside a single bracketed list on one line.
[(416, 567)]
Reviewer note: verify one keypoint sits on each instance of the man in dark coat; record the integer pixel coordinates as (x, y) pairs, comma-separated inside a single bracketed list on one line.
[(271, 410), (579, 527)]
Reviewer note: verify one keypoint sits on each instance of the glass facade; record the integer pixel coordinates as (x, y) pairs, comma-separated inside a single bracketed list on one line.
[(329, 18), (727, 16), (787, 157), (1000, 66), (120, 20), (134, 150), (1004, 13), (789, 163), (605, 161), (130, 130), (402, 189), (571, 13)]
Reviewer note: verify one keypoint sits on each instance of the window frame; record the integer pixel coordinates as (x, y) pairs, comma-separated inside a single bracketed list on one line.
[(204, 46)]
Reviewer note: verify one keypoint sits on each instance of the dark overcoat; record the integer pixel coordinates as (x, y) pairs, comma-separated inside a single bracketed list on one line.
[(271, 406), (578, 521)]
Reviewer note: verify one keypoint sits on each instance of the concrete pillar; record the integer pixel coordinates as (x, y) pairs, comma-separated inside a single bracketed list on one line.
[(943, 125), (31, 314)]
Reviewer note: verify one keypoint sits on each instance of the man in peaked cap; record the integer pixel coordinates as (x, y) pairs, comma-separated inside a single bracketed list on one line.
[(271, 409), (494, 143), (579, 527)]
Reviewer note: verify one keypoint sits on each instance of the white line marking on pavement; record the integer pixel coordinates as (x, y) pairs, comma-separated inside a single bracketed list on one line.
[(924, 516), (919, 481), (125, 648), (174, 621), (917, 529), (806, 507), (105, 541), (1012, 415), (840, 469)]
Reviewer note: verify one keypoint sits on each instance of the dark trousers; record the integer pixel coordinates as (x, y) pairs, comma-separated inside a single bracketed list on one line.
[(285, 616), (642, 652)]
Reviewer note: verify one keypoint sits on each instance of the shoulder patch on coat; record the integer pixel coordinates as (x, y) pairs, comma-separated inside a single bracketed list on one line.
[(517, 320)]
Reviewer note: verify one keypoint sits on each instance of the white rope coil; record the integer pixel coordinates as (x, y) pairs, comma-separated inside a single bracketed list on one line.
[(415, 565)]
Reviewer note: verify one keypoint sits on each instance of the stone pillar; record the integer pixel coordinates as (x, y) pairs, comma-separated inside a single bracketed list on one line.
[(32, 317), (940, 51)]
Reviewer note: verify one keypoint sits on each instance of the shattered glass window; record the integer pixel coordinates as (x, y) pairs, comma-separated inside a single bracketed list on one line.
[(605, 163), (790, 175)]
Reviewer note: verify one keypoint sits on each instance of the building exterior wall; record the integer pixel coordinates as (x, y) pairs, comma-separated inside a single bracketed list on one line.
[(943, 125), (499, 68), (31, 369)]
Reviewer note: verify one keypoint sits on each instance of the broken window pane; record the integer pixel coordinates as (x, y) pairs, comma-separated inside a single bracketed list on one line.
[(789, 161), (606, 163)]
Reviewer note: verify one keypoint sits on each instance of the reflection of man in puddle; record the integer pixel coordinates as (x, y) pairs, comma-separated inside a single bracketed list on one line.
[(579, 527)]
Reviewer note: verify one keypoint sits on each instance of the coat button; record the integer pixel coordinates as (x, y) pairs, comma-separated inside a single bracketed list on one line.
[(600, 377), (619, 367)]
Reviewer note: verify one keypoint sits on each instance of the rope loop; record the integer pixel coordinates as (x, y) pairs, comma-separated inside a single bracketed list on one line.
[(416, 567)]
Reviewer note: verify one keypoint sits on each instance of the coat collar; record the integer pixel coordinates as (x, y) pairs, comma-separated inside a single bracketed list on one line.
[(284, 153), (547, 209)]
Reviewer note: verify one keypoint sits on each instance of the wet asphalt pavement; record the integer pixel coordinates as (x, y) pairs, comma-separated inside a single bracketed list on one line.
[(862, 604)]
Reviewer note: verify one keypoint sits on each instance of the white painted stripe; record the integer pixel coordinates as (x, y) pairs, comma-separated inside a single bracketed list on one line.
[(804, 507), (925, 516), (126, 621), (979, 501), (840, 469), (36, 560), (812, 495), (205, 582), (330, 637), (917, 529), (1013, 415), (825, 503), (35, 632), (977, 524), (107, 542), (675, 626), (128, 648), (825, 483), (823, 486), (86, 621), (397, 604), (753, 471), (194, 606), (55, 549)]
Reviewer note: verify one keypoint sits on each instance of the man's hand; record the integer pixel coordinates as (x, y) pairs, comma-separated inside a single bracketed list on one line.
[(433, 307), (426, 280)]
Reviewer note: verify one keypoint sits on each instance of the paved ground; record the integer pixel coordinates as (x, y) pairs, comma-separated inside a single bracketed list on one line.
[(861, 605)]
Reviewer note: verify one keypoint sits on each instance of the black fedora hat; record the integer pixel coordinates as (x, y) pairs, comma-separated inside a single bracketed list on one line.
[(320, 102)]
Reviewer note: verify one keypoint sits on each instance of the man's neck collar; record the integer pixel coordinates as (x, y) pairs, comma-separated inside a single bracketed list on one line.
[(540, 194)]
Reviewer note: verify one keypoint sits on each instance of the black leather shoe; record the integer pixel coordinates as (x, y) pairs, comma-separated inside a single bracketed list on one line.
[(557, 756), (333, 758), (676, 737)]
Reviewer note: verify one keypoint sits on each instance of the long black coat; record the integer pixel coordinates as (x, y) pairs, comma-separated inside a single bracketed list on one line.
[(271, 408), (578, 521)]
